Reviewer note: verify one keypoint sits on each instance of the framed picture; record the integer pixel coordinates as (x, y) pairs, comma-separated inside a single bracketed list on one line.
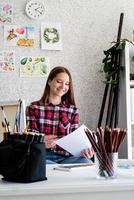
[(51, 38), (6, 13), (31, 66), (7, 61), (18, 35)]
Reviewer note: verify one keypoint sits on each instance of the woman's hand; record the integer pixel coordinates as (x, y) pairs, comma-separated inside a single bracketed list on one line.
[(49, 141), (87, 153)]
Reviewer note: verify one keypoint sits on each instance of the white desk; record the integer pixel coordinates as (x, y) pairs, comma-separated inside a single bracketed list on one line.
[(79, 184)]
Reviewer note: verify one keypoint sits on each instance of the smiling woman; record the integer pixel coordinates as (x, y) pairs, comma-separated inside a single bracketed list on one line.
[(56, 115)]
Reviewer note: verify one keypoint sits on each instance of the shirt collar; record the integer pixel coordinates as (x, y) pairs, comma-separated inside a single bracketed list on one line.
[(60, 104)]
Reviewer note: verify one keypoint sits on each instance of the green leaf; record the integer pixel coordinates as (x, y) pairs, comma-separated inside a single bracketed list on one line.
[(110, 66), (23, 61), (107, 67), (121, 46), (106, 59), (114, 82)]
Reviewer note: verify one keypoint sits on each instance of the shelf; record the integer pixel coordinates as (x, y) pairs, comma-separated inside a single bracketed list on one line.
[(9, 103), (132, 123), (131, 84)]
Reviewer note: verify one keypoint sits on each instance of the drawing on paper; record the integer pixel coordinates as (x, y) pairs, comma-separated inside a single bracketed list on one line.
[(7, 61), (6, 13), (33, 66), (51, 36), (18, 35)]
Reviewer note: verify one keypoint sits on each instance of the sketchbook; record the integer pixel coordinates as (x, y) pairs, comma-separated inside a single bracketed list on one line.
[(70, 167), (75, 142)]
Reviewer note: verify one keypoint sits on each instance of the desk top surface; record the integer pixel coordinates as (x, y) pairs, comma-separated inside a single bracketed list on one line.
[(77, 180)]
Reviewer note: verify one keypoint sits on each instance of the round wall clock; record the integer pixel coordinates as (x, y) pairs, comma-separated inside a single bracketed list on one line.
[(35, 9)]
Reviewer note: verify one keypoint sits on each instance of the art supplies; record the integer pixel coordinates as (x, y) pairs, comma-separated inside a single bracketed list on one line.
[(19, 123), (22, 160), (105, 144), (107, 140), (22, 151)]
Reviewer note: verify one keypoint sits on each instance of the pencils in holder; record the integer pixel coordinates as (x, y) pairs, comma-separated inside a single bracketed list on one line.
[(105, 145)]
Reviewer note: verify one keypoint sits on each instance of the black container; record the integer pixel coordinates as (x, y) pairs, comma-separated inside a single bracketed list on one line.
[(22, 161)]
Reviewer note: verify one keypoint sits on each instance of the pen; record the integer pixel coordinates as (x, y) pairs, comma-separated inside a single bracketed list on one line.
[(62, 169), (69, 167)]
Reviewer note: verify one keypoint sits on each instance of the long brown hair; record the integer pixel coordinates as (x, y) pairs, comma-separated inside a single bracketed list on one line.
[(69, 96)]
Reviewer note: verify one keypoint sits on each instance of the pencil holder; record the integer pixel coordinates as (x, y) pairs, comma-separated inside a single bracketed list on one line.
[(106, 165), (22, 158)]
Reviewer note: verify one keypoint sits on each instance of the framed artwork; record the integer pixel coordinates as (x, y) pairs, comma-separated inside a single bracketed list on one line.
[(7, 61), (51, 38), (18, 35), (31, 66), (6, 13)]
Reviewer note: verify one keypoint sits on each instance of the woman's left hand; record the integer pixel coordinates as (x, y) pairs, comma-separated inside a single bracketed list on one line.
[(87, 153)]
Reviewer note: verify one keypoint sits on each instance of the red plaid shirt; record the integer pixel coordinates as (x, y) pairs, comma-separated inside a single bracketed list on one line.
[(59, 120)]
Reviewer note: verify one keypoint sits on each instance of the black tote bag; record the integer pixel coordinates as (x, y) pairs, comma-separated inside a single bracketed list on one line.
[(22, 161)]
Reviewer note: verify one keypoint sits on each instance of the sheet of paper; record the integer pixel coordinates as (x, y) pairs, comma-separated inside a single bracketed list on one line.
[(75, 142)]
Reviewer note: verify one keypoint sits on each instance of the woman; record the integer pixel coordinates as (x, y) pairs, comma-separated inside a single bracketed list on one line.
[(56, 115)]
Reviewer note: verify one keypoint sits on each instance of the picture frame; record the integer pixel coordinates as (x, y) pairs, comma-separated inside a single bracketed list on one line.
[(51, 38)]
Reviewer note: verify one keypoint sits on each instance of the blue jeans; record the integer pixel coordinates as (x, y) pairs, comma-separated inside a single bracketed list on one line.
[(52, 158)]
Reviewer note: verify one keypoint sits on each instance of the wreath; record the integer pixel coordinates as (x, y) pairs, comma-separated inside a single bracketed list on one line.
[(51, 35)]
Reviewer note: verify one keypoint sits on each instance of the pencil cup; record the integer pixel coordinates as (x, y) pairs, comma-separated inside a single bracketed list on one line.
[(106, 165)]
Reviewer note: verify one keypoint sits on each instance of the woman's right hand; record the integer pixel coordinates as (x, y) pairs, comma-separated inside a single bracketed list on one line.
[(49, 141)]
